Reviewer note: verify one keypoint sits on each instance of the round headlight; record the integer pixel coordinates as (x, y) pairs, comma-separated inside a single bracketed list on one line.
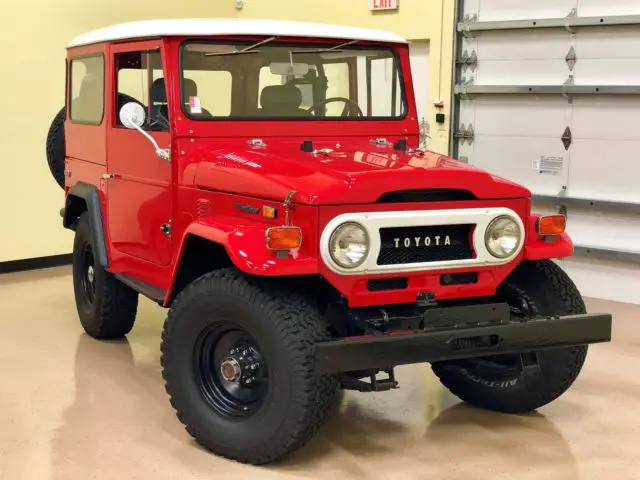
[(503, 237), (349, 245)]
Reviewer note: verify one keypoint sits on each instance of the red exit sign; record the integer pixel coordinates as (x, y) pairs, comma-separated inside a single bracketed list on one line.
[(383, 4)]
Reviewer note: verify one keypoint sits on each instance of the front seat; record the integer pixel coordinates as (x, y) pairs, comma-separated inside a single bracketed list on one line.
[(159, 110), (190, 89), (282, 101)]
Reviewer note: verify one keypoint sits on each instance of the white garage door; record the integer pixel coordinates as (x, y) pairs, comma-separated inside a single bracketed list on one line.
[(548, 95)]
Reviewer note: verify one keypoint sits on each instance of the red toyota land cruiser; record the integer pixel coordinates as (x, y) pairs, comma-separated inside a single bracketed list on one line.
[(264, 181)]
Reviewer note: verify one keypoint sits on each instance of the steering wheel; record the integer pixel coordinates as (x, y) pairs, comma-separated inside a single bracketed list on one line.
[(349, 106)]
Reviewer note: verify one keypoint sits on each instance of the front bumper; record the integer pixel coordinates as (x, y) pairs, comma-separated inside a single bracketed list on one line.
[(455, 333)]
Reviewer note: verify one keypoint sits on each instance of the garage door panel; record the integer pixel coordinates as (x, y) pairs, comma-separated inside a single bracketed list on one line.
[(602, 279), (511, 58), (588, 8), (604, 230), (607, 56), (607, 43), (606, 118), (531, 45), (467, 113), (605, 170), (525, 138), (522, 72), (525, 116), (517, 159), (490, 10), (607, 72)]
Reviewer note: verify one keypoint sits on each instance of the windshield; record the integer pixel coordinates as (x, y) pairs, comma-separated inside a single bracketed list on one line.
[(267, 80)]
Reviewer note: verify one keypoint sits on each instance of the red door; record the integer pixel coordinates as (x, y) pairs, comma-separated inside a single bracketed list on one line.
[(139, 188)]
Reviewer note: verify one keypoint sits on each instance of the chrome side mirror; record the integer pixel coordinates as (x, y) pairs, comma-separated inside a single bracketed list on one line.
[(132, 116)]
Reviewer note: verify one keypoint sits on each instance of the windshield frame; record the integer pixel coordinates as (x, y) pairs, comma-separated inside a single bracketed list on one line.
[(312, 43)]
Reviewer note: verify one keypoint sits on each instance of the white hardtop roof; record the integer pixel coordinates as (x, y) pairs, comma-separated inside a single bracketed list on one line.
[(219, 27)]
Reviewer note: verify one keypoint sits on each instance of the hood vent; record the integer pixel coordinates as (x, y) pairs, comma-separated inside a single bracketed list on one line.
[(415, 196)]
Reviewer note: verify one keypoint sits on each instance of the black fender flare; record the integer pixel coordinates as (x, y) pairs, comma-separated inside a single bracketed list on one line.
[(89, 194)]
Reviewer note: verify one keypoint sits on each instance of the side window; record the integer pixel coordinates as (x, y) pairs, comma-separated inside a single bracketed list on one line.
[(379, 87), (87, 89), (140, 79)]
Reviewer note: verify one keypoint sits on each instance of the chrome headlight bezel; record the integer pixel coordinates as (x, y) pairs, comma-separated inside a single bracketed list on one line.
[(491, 230), (340, 229)]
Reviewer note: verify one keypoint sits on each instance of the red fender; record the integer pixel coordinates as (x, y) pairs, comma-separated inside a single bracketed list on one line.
[(246, 246)]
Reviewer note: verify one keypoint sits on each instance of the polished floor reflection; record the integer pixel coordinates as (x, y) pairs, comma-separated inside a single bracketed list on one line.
[(72, 408)]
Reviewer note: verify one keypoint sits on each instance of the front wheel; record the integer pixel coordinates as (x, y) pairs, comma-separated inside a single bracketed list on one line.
[(238, 364), (525, 382)]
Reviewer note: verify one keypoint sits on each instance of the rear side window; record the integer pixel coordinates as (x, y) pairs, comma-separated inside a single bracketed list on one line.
[(87, 89)]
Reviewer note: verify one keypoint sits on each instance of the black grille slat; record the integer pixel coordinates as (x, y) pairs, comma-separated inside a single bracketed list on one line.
[(433, 195), (436, 251)]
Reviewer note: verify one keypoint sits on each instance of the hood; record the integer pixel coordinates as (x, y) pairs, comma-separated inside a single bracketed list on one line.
[(360, 174)]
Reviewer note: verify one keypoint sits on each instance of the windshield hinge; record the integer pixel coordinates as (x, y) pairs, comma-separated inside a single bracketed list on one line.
[(256, 142), (383, 142)]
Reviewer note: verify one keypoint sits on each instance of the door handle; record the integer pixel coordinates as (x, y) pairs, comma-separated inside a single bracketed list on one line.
[(108, 176)]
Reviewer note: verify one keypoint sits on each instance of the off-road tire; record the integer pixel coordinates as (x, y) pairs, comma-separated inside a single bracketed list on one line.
[(56, 147), (548, 291), (111, 311), (286, 326)]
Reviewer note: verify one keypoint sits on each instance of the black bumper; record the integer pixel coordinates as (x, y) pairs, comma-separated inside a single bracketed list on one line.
[(449, 335)]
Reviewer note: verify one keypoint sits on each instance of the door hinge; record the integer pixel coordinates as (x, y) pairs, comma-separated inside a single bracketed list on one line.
[(465, 134), (468, 60), (165, 228), (567, 138), (571, 58)]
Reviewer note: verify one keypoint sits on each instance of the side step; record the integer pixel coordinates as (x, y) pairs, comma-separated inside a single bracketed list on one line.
[(152, 292)]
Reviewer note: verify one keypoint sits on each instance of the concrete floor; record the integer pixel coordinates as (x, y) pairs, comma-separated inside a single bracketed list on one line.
[(74, 408)]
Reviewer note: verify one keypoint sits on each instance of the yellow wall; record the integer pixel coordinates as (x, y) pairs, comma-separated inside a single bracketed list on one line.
[(34, 36)]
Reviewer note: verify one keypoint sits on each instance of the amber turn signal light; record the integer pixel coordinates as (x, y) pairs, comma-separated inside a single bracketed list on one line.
[(269, 212), (552, 225), (284, 238)]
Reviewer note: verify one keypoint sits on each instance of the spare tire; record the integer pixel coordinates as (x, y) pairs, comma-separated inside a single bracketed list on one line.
[(56, 147)]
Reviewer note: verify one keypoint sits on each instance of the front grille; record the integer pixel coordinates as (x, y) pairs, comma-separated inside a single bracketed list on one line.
[(434, 243), (435, 195)]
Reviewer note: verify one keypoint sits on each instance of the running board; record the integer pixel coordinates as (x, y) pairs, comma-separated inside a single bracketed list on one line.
[(150, 291)]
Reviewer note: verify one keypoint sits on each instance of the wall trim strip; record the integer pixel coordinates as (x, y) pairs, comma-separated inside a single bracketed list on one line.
[(35, 263)]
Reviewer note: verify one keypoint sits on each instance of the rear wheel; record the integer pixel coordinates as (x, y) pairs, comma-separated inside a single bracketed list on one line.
[(238, 362), (521, 383), (107, 307)]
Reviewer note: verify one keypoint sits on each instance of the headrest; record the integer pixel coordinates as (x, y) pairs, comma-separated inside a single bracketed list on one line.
[(189, 88), (91, 86), (158, 91), (278, 96)]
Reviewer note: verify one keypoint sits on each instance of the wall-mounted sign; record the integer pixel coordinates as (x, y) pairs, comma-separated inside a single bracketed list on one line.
[(376, 5)]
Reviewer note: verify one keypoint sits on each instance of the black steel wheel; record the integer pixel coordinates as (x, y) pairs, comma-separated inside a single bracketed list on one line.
[(230, 371), (529, 380), (106, 307), (238, 364), (87, 278)]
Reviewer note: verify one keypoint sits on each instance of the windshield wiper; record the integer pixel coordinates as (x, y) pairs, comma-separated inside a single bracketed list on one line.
[(249, 49), (330, 49)]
